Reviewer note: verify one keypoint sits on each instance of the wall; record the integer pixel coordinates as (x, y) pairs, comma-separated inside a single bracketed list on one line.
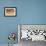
[(28, 12), (8, 24), (33, 12)]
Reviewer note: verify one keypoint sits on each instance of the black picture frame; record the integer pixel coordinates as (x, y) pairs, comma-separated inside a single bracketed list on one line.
[(14, 8)]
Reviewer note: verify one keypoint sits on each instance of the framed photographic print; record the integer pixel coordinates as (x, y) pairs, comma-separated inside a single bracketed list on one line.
[(10, 11)]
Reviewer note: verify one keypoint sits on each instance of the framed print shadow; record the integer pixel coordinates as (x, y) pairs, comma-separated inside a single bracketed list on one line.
[(10, 11)]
